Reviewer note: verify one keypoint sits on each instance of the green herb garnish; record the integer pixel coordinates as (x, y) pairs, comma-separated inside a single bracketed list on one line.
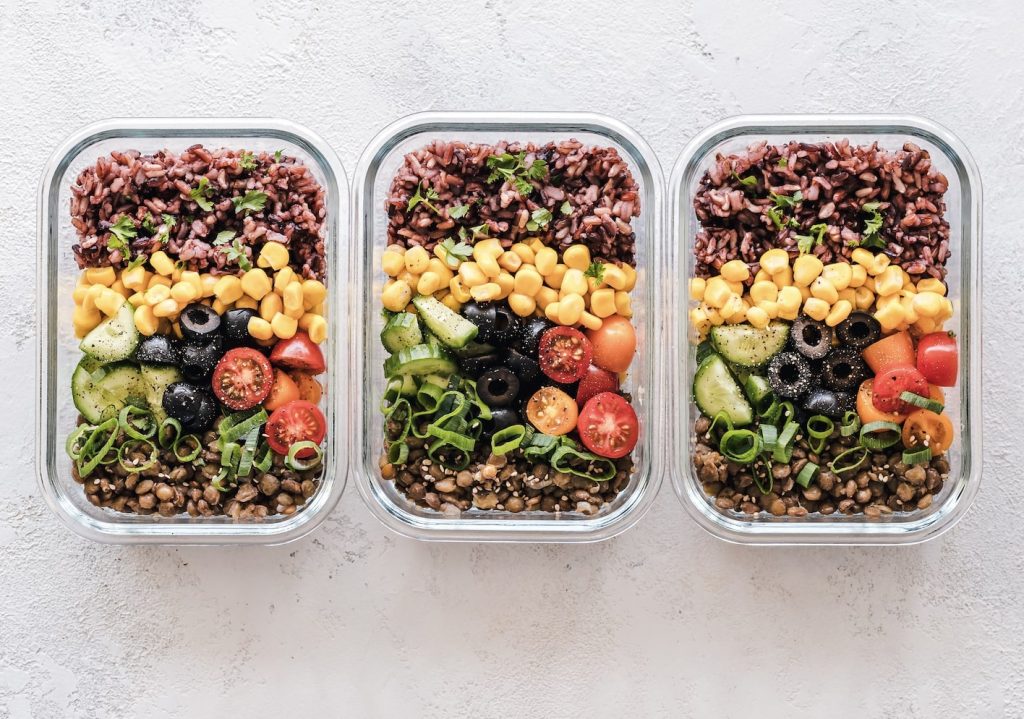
[(458, 212), (539, 218), (139, 260), (233, 252), (783, 162), (807, 243), (147, 224), (787, 201), (424, 198), (566, 208), (277, 155), (456, 253), (121, 234), (202, 193), (224, 237), (749, 181), (252, 201), (474, 233), (782, 202), (247, 160), (595, 270), (871, 236), (169, 220), (512, 168)]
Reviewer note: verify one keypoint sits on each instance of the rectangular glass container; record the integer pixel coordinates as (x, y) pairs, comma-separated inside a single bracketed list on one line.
[(58, 352), (377, 167), (963, 402)]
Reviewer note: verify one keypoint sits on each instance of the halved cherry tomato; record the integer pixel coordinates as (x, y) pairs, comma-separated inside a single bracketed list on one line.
[(283, 391), (866, 409), (564, 354), (925, 428), (243, 378), (552, 411), (299, 352), (608, 426), (937, 358), (595, 381), (889, 385), (614, 344), (309, 389), (295, 421), (893, 351)]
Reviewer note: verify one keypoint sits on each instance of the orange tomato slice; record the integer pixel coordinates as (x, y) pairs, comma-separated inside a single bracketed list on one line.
[(893, 351), (924, 428), (867, 410)]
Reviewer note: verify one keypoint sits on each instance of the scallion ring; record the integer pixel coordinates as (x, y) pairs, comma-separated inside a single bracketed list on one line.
[(193, 454), (508, 438), (166, 441), (740, 446), (398, 453), (838, 467), (850, 425), (722, 417), (879, 435), (769, 436), (248, 453), (264, 459), (132, 445), (784, 446), (295, 464), (96, 447), (72, 446), (126, 419), (819, 427), (806, 474), (922, 402), (919, 456), (766, 467), (239, 425)]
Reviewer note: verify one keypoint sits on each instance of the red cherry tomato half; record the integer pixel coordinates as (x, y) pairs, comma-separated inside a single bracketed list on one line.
[(890, 384), (608, 426), (299, 352), (295, 421), (243, 378), (938, 359), (596, 381), (564, 354)]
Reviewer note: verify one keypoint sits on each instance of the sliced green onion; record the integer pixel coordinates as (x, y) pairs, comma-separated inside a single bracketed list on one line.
[(788, 411), (769, 436), (806, 474), (456, 439), (224, 475), (295, 464), (461, 461), (819, 434), (722, 417), (122, 451), (398, 453), (505, 440), (391, 394), (194, 453), (919, 456), (401, 413), (923, 402), (773, 412), (850, 425), (95, 449), (879, 435), (165, 441), (71, 446), (766, 467), (144, 430), (539, 446), (474, 398), (740, 446), (560, 463), (229, 456), (839, 467), (264, 459), (248, 453), (239, 425), (784, 446), (428, 396)]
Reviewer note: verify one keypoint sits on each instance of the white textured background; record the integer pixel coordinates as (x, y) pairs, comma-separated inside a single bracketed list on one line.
[(664, 620)]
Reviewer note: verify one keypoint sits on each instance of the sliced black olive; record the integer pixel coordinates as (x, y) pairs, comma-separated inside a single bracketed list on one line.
[(529, 335), (205, 414), (182, 401), (847, 402), (844, 369), (158, 349), (198, 322), (789, 374), (811, 338), (235, 326), (498, 387), (859, 330), (481, 314), (199, 360), (525, 368), (506, 326), (503, 417), (823, 401), (476, 366)]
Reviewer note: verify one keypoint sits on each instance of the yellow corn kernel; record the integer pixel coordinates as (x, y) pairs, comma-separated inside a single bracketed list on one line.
[(789, 300), (194, 279), (806, 269), (314, 292), (283, 278), (157, 294), (138, 299), (91, 295), (879, 264), (908, 281), (135, 278), (167, 308), (486, 292), (769, 308), (551, 312), (451, 303), (732, 305), (161, 263), (824, 290), (614, 277), (816, 308), (925, 325), (577, 257), (909, 313), (930, 284), (408, 278), (697, 285), (145, 321), (260, 328), (883, 302), (602, 302), (630, 273), (741, 314), (717, 292), (857, 276), (574, 282), (764, 292), (491, 247), (460, 293), (623, 304), (109, 302), (536, 244), (100, 276), (784, 277), (228, 289), (471, 274), (545, 296), (510, 261), (284, 327), (526, 254), (175, 328), (555, 277), (805, 292), (947, 309), (758, 317), (155, 280), (273, 255), (507, 283), (736, 287), (528, 281), (489, 265), (840, 311), (890, 281), (863, 257), (246, 302), (773, 261), (522, 305), (590, 321), (396, 296), (713, 315), (184, 292), (176, 275), (84, 320), (293, 300), (546, 260), (570, 309), (762, 276), (869, 283), (890, 316), (429, 283), (316, 328), (849, 294), (209, 283), (219, 307), (439, 268), (416, 260), (120, 289), (81, 290), (839, 274), (699, 319), (735, 271), (864, 298)]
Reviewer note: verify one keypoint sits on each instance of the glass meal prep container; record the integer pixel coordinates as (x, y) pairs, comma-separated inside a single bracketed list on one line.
[(377, 167), (962, 402), (57, 274)]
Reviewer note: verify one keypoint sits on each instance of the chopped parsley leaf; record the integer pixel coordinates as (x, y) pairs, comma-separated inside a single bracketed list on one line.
[(425, 198), (807, 243), (512, 168), (247, 160), (749, 181), (458, 212), (595, 270), (456, 253), (539, 218), (566, 208), (252, 201), (201, 194), (871, 236)]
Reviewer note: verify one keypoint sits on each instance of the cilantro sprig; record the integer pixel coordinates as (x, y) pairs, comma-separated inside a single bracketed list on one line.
[(458, 211), (595, 270), (566, 208), (475, 232), (234, 251), (539, 219), (202, 193), (247, 160), (748, 181), (455, 253), (512, 168), (425, 195), (783, 202), (122, 233), (251, 201), (871, 236), (807, 243)]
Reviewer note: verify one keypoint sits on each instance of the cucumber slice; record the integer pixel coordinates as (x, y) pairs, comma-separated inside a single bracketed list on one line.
[(156, 379), (409, 387), (452, 329), (746, 346), (758, 391), (89, 402), (99, 393), (419, 360), (401, 332), (715, 390), (115, 338)]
